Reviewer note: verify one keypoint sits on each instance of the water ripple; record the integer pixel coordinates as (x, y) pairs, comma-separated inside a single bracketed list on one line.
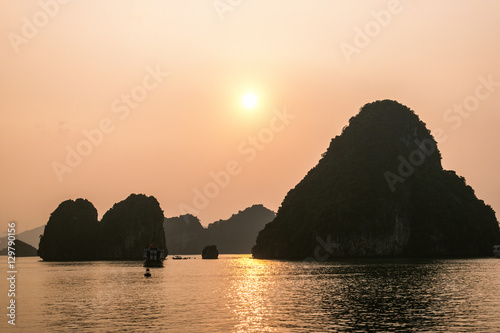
[(240, 294)]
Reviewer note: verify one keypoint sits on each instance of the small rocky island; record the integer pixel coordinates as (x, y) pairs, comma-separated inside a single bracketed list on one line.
[(380, 190), (210, 252), (22, 249), (73, 232)]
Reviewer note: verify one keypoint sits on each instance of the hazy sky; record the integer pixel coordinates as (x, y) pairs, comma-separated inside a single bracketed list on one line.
[(101, 99)]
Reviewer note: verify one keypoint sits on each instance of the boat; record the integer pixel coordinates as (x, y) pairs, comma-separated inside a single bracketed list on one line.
[(178, 257), (153, 257), (496, 251)]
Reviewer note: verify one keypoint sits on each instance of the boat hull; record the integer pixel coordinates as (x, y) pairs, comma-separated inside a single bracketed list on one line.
[(153, 263)]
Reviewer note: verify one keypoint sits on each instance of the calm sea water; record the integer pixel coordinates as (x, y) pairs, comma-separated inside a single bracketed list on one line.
[(240, 294)]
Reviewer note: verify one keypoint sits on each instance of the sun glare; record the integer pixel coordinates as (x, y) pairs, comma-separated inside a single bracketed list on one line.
[(249, 100)]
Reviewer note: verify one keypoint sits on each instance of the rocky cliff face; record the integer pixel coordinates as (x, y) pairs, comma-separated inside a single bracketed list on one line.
[(380, 190), (130, 226), (71, 232)]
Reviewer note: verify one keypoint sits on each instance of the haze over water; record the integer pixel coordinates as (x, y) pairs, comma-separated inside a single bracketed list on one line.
[(212, 110), (240, 294), (77, 69)]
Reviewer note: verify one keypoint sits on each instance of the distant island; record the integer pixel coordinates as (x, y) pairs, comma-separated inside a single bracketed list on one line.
[(74, 233), (380, 190), (185, 234), (21, 249), (31, 237)]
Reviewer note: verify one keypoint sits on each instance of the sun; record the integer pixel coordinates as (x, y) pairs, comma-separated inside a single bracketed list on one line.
[(249, 100)]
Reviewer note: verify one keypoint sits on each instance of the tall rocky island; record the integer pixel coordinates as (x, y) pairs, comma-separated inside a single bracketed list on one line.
[(380, 190), (73, 231), (130, 226)]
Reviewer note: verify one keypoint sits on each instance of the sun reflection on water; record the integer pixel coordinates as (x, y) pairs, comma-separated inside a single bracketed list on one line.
[(249, 295), (239, 294)]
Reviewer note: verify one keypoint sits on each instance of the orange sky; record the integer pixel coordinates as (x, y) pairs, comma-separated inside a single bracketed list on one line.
[(158, 85)]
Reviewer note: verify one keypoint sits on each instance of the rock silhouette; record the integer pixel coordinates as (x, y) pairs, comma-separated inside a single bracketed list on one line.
[(130, 226), (210, 252), (30, 237), (21, 250), (73, 232), (186, 235), (238, 233), (380, 190)]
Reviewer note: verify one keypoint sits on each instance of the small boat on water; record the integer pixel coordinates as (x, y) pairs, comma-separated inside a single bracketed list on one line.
[(153, 257), (177, 257), (496, 251)]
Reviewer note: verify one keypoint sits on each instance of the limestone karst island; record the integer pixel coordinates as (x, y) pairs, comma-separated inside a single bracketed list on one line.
[(378, 191)]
